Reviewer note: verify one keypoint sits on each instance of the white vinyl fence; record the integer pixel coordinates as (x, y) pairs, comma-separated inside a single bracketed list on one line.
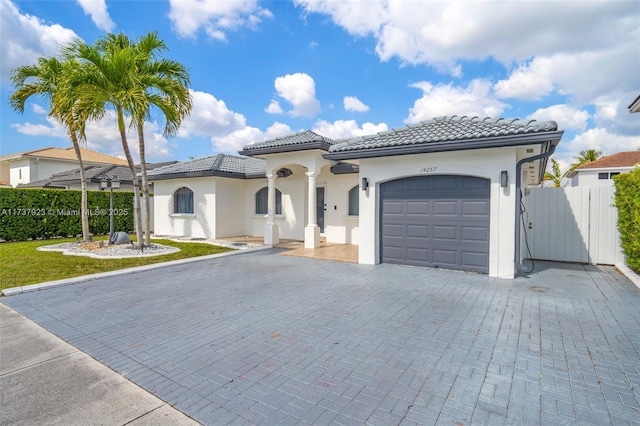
[(575, 224)]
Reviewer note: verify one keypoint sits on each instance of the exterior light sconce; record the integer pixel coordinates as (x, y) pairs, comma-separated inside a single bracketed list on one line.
[(365, 184), (284, 172), (504, 179)]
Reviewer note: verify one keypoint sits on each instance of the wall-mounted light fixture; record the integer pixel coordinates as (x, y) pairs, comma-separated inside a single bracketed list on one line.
[(284, 172), (504, 179), (365, 184)]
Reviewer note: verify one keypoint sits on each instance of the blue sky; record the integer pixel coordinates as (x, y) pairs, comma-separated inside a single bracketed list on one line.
[(265, 69)]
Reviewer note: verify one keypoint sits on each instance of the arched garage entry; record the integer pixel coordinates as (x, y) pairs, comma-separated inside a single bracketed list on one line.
[(436, 221)]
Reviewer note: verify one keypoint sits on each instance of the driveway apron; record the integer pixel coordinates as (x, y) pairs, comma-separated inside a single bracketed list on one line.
[(260, 338)]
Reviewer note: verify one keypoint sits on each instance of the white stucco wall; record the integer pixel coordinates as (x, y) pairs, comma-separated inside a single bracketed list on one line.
[(339, 227), (480, 163), (19, 172), (229, 205), (589, 177), (292, 220), (200, 224), (5, 175)]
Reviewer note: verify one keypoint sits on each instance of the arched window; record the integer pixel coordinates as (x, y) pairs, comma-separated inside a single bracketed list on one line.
[(354, 201), (183, 200), (262, 201)]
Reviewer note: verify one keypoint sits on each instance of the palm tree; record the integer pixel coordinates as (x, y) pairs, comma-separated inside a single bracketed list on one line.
[(556, 175), (51, 79), (165, 83), (110, 82), (586, 156), (140, 81)]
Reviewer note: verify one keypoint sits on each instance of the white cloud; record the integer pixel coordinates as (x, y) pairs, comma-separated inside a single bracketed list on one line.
[(38, 109), (567, 117), (24, 38), (274, 108), (351, 103), (215, 17), (299, 90), (52, 129), (601, 140), (97, 9), (342, 129), (580, 50), (210, 117), (446, 99), (530, 81), (237, 140), (442, 32), (103, 136)]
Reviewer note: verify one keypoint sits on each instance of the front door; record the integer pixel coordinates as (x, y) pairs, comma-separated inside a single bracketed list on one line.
[(320, 207)]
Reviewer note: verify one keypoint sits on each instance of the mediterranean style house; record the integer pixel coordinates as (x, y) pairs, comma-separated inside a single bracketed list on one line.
[(601, 171), (441, 193), (30, 166)]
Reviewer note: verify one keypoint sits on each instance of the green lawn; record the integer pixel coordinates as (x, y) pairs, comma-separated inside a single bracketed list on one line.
[(22, 264)]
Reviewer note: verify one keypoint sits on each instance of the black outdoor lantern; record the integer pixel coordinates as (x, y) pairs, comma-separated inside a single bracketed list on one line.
[(110, 183)]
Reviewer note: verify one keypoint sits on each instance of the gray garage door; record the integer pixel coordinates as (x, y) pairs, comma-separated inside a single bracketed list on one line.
[(436, 221)]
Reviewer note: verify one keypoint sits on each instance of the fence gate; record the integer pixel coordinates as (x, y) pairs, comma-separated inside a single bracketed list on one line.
[(576, 224)]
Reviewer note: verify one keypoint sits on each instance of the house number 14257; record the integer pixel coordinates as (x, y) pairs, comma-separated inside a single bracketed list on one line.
[(428, 170)]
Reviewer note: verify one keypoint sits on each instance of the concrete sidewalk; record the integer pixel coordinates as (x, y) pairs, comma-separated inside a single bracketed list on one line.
[(44, 380)]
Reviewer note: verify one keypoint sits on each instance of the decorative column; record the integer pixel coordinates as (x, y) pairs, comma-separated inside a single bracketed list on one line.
[(312, 230), (271, 234)]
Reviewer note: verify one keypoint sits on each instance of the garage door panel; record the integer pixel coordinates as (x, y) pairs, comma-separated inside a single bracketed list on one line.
[(417, 231), (417, 207), (417, 254), (445, 232), (445, 208), (468, 182), (475, 259), (438, 221), (475, 208), (392, 230), (393, 254), (393, 207), (443, 183), (444, 257), (475, 233)]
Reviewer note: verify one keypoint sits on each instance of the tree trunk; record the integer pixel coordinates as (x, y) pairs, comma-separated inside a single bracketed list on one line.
[(84, 210), (146, 206), (134, 178)]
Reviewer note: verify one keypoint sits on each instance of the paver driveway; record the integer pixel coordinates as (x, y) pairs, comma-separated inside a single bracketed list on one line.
[(267, 339)]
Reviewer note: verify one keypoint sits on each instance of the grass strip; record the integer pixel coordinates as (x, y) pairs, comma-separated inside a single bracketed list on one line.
[(21, 263)]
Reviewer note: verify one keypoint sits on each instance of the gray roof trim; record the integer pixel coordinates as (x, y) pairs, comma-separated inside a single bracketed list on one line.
[(207, 173), (453, 145), (299, 141), (323, 145), (344, 168)]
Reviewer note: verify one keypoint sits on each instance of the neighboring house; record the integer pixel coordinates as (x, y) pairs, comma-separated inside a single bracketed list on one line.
[(441, 193), (635, 105), (70, 179), (30, 166), (601, 171)]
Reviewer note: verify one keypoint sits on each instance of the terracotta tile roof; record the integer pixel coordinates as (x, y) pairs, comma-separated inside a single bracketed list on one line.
[(621, 159), (88, 155)]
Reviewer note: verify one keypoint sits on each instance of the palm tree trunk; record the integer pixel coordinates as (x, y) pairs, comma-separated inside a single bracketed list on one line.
[(84, 210), (134, 178), (146, 206)]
